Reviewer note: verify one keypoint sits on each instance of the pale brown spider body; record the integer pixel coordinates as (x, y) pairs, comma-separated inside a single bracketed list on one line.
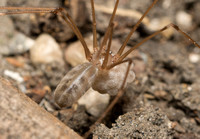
[(110, 81), (74, 84), (105, 72), (77, 81)]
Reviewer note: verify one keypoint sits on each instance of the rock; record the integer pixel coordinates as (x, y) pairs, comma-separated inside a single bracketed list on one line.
[(178, 128), (184, 20), (194, 58), (19, 44), (6, 33), (44, 23), (126, 11), (187, 97), (12, 42), (158, 23), (94, 102), (45, 104), (3, 2), (75, 55), (174, 114), (161, 94), (190, 126), (20, 117), (25, 22), (195, 13), (14, 75), (142, 122), (46, 50)]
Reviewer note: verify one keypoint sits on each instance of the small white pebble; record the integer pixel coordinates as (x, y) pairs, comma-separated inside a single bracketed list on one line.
[(188, 103), (189, 88), (141, 118), (14, 75), (22, 87), (46, 50), (94, 102), (158, 23), (170, 125), (194, 58), (166, 4), (184, 19)]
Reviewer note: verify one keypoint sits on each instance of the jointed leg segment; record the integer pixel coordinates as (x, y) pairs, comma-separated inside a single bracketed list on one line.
[(117, 97), (94, 26), (24, 10), (73, 26), (105, 61), (134, 28), (153, 35), (60, 11), (106, 36)]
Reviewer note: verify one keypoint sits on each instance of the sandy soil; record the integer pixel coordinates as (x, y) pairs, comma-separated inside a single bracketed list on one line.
[(164, 99)]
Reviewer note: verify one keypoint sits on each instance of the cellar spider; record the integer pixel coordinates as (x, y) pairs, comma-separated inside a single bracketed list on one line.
[(105, 72)]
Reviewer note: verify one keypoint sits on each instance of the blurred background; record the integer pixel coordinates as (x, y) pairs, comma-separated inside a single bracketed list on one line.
[(37, 50)]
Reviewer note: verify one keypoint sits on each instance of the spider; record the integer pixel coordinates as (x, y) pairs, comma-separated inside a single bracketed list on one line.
[(105, 72)]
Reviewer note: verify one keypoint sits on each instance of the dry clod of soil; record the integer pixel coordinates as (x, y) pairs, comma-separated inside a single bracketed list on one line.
[(145, 121), (187, 98)]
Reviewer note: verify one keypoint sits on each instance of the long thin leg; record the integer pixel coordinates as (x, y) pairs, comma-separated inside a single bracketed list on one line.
[(156, 33), (94, 26), (117, 97), (151, 36), (59, 11), (24, 10), (106, 36), (73, 26), (105, 61), (27, 8), (134, 28)]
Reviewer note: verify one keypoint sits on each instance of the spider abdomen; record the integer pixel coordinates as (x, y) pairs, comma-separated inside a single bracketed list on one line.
[(74, 84), (110, 81)]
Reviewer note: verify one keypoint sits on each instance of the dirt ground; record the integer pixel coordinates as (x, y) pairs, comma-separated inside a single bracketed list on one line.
[(164, 99)]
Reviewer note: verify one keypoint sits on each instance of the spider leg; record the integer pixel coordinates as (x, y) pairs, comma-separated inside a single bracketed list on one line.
[(59, 11), (117, 97), (24, 10), (154, 34), (94, 26), (134, 28)]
